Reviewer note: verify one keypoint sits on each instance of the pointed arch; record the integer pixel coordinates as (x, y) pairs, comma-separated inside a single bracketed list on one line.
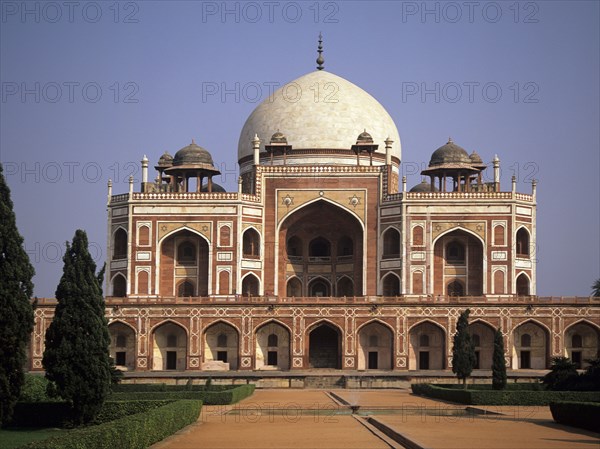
[(169, 346), (119, 243), (250, 284), (484, 351), (119, 285), (123, 341), (319, 286), (375, 345), (272, 345), (522, 241), (316, 200), (426, 345), (391, 243), (251, 242), (581, 342), (294, 287), (458, 228), (390, 284), (345, 286), (523, 284), (324, 340), (535, 356), (221, 353)]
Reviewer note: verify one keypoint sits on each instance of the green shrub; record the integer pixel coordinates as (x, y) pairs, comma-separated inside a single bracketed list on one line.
[(585, 415), (223, 397), (509, 387), (132, 432), (59, 414), (34, 389), (501, 397)]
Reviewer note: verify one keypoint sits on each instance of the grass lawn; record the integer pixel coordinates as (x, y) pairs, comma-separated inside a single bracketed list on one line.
[(12, 438)]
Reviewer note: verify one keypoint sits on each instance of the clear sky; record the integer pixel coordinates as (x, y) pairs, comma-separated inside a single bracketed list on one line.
[(88, 88)]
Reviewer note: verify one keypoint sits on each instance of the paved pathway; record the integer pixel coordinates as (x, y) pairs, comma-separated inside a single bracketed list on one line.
[(308, 419)]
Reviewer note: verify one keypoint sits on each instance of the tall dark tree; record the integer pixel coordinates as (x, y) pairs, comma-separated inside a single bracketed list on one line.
[(463, 350), (76, 358), (16, 310), (498, 362), (596, 289)]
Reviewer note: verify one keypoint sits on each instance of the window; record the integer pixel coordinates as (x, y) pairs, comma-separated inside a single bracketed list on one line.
[(186, 253), (186, 288), (526, 340), (272, 340), (373, 340), (423, 340), (522, 243), (522, 285), (251, 243), (391, 285), (120, 244), (121, 341), (345, 247), (456, 288), (294, 247), (319, 247), (391, 244), (455, 253), (222, 341), (119, 286)]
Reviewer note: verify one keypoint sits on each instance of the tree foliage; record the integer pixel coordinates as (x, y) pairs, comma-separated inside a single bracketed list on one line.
[(562, 376), (16, 310), (463, 350), (498, 362), (76, 358), (596, 289)]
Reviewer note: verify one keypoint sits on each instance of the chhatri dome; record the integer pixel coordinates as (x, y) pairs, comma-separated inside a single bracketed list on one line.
[(319, 110)]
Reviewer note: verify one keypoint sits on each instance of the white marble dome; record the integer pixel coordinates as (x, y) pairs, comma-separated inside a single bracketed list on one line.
[(319, 110)]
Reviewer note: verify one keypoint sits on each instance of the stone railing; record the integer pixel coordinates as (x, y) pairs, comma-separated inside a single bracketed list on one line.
[(214, 196), (458, 196), (357, 300)]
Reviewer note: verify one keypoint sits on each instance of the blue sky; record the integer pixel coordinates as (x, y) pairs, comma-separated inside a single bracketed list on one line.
[(88, 88)]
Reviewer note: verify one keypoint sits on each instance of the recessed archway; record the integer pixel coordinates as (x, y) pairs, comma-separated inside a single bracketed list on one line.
[(324, 347), (122, 345), (375, 347), (582, 343), (531, 346), (221, 346), (482, 337), (427, 347), (169, 343), (272, 347)]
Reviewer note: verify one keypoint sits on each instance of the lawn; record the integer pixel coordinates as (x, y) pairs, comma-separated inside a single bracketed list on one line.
[(12, 438)]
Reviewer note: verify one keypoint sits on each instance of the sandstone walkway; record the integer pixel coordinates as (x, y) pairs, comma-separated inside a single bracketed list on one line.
[(314, 419)]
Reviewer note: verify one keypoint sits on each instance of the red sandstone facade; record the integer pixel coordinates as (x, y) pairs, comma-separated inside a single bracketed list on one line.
[(324, 259)]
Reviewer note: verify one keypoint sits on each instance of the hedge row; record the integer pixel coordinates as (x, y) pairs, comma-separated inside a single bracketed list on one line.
[(585, 415), (503, 397), (529, 386), (58, 414), (231, 396), (133, 432), (130, 388)]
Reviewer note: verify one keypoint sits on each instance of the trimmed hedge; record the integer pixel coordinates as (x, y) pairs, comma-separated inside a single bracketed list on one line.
[(537, 386), (133, 432), (502, 397), (58, 414), (225, 397), (130, 388), (34, 389), (585, 415)]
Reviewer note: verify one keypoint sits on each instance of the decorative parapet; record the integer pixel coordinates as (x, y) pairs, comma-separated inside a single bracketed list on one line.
[(215, 196), (301, 169), (459, 196)]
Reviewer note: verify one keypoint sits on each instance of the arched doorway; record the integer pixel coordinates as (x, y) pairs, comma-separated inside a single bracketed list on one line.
[(325, 239), (427, 347), (391, 285), (184, 258), (375, 347), (169, 347), (319, 287), (324, 350), (531, 346), (582, 342), (250, 285), (523, 285), (458, 264), (482, 337), (272, 347), (221, 346), (122, 345), (345, 287)]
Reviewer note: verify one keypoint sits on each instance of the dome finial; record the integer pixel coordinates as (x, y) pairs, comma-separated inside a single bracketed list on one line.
[(450, 140), (320, 59)]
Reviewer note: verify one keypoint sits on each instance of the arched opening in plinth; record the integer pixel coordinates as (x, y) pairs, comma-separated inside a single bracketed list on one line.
[(221, 347), (122, 345), (375, 347), (272, 347), (325, 346), (482, 337), (169, 347), (582, 343), (427, 347), (531, 346)]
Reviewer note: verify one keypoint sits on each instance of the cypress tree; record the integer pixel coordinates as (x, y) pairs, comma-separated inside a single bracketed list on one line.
[(16, 310), (463, 351), (76, 358), (498, 362)]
